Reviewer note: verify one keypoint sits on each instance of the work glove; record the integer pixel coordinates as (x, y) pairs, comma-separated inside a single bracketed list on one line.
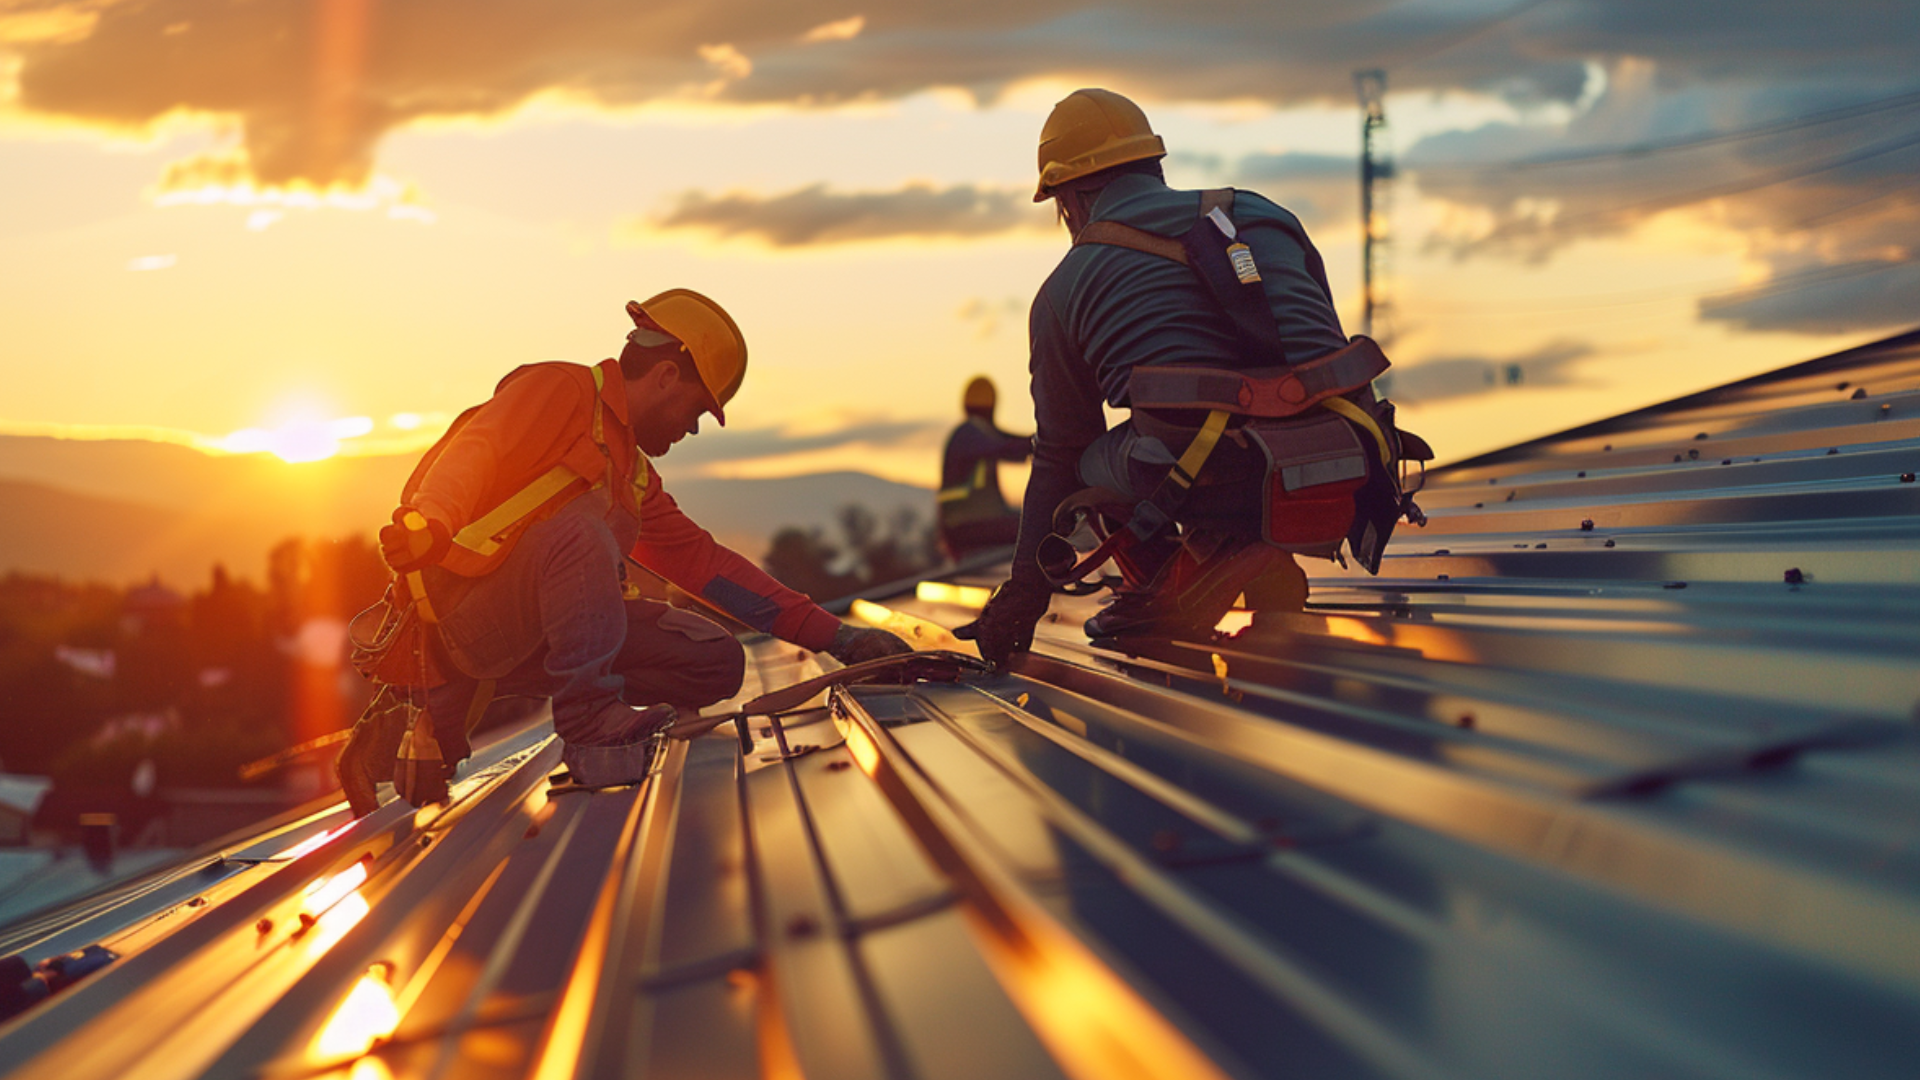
[(413, 542), (856, 645), (368, 756), (1005, 625)]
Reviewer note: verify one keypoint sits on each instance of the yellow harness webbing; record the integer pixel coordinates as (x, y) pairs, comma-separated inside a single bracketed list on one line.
[(975, 483), (482, 536), (1199, 450), (1358, 415)]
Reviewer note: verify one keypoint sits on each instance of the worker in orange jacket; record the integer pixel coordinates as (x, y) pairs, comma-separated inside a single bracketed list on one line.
[(514, 534)]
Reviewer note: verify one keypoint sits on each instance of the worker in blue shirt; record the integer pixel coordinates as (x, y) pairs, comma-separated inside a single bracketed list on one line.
[(1123, 300), (973, 514)]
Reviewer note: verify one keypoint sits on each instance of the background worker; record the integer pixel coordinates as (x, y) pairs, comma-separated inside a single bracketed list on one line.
[(516, 525), (973, 514), (1109, 309)]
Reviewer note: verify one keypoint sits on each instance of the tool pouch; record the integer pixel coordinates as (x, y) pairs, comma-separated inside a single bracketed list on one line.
[(390, 643), (420, 774), (1315, 466)]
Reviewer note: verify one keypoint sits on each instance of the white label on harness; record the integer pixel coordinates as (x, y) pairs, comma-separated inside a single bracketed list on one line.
[(1223, 222), (1243, 267)]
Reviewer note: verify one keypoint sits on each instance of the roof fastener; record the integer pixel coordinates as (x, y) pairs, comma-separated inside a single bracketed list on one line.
[(1540, 547), (1581, 475), (1832, 450), (838, 766), (802, 926), (1906, 478), (1466, 721), (1858, 394), (1609, 543), (1726, 461), (1674, 585), (1510, 496), (1586, 524), (1793, 576), (264, 925), (1693, 455), (1699, 435)]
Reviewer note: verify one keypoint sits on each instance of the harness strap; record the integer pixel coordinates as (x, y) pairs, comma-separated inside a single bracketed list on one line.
[(1275, 392), (973, 483), (1115, 234), (1357, 415), (482, 697)]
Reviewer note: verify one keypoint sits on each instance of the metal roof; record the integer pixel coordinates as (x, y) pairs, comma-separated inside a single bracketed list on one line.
[(1633, 798)]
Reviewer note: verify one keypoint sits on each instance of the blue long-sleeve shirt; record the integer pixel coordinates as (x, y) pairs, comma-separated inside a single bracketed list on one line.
[(1106, 310)]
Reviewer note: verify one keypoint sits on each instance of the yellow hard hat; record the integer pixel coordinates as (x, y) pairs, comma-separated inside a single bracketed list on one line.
[(1092, 130), (979, 395), (708, 334)]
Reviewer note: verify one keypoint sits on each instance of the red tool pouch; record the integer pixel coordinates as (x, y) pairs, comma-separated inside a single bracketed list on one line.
[(1315, 464)]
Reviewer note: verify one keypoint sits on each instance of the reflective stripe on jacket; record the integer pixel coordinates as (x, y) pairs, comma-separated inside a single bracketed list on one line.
[(544, 415)]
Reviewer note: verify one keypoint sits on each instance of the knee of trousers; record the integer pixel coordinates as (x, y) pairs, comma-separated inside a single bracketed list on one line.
[(714, 671)]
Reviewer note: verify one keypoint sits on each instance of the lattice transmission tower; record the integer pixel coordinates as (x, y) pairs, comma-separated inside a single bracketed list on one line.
[(1376, 195)]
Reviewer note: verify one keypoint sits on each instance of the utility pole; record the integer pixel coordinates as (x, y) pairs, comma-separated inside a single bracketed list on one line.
[(1376, 188)]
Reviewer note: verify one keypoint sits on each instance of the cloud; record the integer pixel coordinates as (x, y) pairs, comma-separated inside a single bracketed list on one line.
[(1455, 377), (987, 317), (816, 215), (839, 30), (1825, 300), (769, 442), (316, 85)]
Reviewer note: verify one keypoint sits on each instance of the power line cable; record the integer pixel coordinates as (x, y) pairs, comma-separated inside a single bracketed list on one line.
[(1413, 60)]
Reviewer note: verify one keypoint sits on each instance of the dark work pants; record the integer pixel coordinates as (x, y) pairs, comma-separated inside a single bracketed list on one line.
[(550, 621)]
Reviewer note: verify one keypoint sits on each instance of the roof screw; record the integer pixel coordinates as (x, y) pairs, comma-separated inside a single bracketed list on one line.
[(264, 926), (1510, 496), (1540, 547), (1466, 721), (1586, 525), (1581, 475), (1832, 450), (198, 901), (839, 766), (1793, 576), (307, 920), (1726, 461), (1843, 385), (1906, 478), (1886, 407), (1606, 448), (1699, 436), (1858, 394), (1676, 457), (1609, 543), (1442, 551), (1674, 585), (1693, 455), (1440, 577), (1478, 506)]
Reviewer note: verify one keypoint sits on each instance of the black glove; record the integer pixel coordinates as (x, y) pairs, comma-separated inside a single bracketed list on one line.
[(1005, 625), (413, 542), (367, 759), (855, 645)]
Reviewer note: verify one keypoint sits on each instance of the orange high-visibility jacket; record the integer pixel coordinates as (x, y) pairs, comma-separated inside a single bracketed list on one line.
[(547, 424)]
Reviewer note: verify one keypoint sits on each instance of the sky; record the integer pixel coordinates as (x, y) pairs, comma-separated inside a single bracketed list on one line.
[(319, 226)]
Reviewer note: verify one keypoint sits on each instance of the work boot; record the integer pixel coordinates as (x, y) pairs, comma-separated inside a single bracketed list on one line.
[(367, 759), (628, 755), (1191, 594)]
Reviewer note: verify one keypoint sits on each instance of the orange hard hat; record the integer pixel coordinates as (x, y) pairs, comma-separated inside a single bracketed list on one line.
[(707, 333), (1090, 130), (979, 394)]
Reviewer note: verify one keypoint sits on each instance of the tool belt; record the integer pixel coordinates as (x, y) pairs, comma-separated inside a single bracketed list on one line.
[(1334, 457)]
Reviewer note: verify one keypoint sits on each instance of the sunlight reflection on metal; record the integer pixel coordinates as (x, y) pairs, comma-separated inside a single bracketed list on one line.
[(1355, 630), (313, 843), (1234, 621), (324, 893), (919, 633), (860, 745), (365, 1017), (941, 592)]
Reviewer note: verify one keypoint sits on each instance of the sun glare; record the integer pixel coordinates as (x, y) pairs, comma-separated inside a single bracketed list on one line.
[(304, 435)]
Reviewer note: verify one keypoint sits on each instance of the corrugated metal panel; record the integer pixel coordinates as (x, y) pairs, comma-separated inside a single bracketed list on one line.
[(1543, 799)]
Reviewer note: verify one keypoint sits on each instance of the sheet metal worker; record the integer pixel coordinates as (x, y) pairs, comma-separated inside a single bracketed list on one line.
[(1125, 300), (973, 514), (516, 524)]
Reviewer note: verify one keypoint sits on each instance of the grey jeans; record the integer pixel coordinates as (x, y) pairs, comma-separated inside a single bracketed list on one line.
[(551, 621)]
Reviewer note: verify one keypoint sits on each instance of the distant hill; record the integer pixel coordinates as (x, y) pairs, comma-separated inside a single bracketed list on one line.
[(123, 510)]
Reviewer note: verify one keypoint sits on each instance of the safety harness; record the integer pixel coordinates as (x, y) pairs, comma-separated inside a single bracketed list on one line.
[(1301, 454), (393, 641)]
